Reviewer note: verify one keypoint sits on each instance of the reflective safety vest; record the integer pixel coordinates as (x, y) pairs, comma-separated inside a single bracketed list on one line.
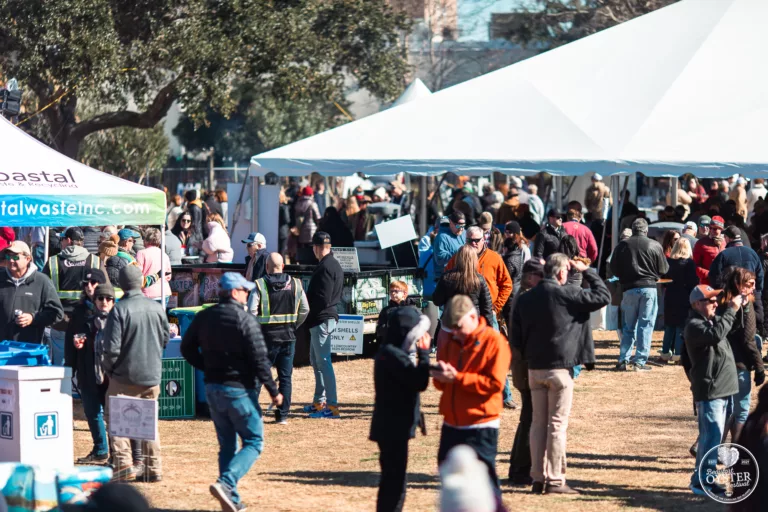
[(284, 313), (53, 265)]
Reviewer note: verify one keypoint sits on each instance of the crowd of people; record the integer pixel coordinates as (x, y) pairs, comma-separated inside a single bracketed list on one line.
[(496, 264)]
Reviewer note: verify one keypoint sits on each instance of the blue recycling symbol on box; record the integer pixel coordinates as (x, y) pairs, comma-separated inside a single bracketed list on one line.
[(46, 425)]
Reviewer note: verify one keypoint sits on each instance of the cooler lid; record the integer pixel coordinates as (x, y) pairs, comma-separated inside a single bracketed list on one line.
[(35, 372)]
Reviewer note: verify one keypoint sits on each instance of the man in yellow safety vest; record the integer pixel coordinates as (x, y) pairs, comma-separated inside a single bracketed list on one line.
[(280, 306), (67, 271)]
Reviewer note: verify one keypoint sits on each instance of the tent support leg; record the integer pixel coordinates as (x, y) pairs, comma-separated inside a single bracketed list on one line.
[(422, 205), (47, 246), (673, 190), (162, 267), (558, 185)]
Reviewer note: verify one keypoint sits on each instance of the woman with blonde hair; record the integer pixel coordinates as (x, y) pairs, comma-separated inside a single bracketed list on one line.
[(215, 217), (682, 272), (464, 279)]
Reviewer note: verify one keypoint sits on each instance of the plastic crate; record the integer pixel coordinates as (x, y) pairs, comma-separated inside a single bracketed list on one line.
[(23, 354), (177, 390)]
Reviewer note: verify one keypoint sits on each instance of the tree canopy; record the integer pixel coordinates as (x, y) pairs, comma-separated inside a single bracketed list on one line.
[(551, 23), (143, 55)]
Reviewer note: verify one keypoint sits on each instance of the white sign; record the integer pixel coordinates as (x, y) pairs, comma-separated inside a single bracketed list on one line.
[(347, 258), (396, 231), (348, 336), (7, 396), (134, 418)]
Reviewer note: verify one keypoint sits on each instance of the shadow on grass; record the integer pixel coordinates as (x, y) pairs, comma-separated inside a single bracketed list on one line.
[(350, 478), (639, 497)]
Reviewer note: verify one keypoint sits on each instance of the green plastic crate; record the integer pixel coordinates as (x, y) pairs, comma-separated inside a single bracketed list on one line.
[(177, 390)]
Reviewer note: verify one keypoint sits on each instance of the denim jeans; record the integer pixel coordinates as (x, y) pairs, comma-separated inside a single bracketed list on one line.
[(94, 400), (281, 357), (673, 339), (235, 412), (738, 404), (506, 394), (711, 414), (320, 359), (638, 312)]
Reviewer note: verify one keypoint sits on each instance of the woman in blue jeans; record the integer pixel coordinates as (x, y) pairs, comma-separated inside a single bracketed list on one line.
[(739, 281), (682, 272)]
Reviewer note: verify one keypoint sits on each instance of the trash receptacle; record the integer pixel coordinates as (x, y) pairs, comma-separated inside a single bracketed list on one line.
[(23, 354), (36, 415), (184, 316)]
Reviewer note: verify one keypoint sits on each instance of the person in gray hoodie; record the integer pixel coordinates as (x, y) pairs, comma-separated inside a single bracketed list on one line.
[(134, 338)]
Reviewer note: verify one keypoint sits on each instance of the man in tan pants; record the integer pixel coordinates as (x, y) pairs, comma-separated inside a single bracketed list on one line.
[(551, 349), (134, 338)]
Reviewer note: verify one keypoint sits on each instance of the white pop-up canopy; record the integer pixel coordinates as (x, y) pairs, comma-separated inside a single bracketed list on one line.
[(41, 187), (682, 89)]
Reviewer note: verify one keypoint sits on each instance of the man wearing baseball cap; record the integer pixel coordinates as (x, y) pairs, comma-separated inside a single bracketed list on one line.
[(708, 248), (712, 374), (323, 295), (29, 299), (226, 343), (689, 232), (548, 240), (448, 241), (256, 261), (67, 271)]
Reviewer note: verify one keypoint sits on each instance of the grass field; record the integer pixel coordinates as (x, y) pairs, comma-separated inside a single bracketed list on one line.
[(628, 441)]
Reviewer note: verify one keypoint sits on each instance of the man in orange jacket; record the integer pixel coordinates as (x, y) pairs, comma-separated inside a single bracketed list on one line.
[(473, 367), (491, 267)]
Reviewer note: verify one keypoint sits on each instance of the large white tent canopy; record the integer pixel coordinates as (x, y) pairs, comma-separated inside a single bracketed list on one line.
[(683, 89), (41, 187)]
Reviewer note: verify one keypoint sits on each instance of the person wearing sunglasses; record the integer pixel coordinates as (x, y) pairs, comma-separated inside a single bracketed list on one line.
[(448, 241), (87, 320), (29, 300), (226, 343), (712, 373), (67, 271)]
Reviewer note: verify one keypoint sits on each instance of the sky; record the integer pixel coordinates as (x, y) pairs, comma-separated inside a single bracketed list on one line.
[(474, 16)]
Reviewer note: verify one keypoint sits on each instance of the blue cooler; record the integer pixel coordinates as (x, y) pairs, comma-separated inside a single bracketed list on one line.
[(18, 353)]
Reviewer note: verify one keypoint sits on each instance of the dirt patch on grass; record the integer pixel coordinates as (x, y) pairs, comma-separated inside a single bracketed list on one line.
[(628, 441)]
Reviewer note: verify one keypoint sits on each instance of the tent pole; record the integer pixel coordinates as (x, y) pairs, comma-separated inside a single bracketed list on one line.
[(47, 247), (615, 220), (673, 190), (559, 193), (236, 211), (255, 203), (422, 205), (162, 266)]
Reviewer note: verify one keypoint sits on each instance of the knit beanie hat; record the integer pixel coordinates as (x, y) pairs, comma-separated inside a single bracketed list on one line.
[(109, 247), (466, 485), (131, 278)]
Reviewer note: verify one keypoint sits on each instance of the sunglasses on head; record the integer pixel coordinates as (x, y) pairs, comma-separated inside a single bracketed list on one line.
[(105, 298)]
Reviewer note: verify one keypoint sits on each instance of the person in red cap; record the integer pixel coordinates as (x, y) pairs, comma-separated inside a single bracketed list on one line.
[(707, 249)]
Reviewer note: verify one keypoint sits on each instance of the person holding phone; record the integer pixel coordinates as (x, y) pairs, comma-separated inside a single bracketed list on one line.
[(397, 407)]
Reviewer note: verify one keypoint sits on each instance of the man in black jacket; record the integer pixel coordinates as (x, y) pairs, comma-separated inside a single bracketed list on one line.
[(226, 343), (736, 254), (323, 294), (548, 240), (639, 263), (713, 373), (552, 349), (396, 407), (30, 293)]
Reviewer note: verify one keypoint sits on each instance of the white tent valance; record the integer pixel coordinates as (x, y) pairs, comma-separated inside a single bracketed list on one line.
[(678, 90), (41, 187)]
